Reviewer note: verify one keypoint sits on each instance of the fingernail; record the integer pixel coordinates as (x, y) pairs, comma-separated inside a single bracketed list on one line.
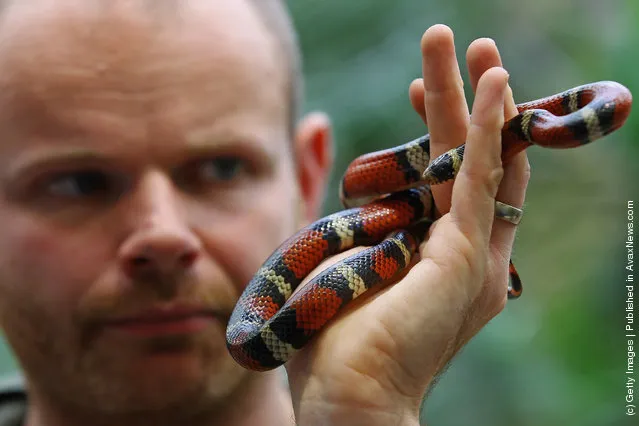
[(506, 79), (489, 40), (506, 74)]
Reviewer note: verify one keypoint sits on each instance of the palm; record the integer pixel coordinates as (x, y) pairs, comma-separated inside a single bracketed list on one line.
[(381, 345)]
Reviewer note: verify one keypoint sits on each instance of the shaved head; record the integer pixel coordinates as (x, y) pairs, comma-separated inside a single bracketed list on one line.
[(273, 14), (277, 19)]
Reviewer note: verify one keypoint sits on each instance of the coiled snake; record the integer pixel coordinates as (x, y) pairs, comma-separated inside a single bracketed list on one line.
[(268, 325)]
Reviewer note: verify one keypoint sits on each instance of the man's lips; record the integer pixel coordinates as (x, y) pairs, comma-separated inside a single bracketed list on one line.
[(164, 321)]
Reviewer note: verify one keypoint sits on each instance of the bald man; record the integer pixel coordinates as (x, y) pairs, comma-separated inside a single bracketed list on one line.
[(152, 155)]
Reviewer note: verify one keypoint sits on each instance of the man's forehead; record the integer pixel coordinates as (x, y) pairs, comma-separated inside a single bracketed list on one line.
[(75, 37)]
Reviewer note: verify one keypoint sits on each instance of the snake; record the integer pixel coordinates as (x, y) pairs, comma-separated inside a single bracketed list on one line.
[(388, 207)]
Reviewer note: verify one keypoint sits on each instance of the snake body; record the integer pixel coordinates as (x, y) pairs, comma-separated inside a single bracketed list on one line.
[(390, 208)]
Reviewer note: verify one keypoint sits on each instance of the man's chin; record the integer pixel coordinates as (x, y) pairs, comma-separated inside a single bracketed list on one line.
[(161, 369), (171, 360), (169, 377)]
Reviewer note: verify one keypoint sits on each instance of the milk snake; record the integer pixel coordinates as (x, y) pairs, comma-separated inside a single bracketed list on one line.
[(390, 209)]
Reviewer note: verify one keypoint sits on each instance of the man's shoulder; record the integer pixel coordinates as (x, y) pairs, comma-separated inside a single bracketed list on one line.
[(13, 400)]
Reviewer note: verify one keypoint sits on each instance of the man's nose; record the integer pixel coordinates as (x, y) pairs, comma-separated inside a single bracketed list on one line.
[(158, 251), (162, 241)]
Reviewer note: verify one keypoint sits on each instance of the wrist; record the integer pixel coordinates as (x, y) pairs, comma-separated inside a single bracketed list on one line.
[(326, 415)]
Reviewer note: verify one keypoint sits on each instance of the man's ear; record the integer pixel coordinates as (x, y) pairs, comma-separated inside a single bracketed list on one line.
[(314, 158)]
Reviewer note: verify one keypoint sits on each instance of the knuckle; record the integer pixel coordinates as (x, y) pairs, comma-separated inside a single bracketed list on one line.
[(526, 172), (492, 181), (498, 303), (444, 93), (488, 123), (518, 174), (487, 178), (499, 294), (492, 301), (497, 283), (495, 176)]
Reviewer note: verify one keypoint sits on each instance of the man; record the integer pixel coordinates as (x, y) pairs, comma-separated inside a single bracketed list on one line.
[(151, 159)]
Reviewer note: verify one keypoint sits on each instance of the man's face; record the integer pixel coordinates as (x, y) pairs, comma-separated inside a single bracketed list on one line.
[(145, 173)]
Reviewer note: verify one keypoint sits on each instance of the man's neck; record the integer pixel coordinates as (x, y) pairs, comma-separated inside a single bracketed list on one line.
[(263, 400)]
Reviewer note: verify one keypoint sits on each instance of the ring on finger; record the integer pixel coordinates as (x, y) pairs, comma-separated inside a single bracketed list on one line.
[(508, 213)]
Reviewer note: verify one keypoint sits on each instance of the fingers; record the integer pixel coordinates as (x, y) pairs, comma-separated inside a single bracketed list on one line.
[(444, 101), (416, 96), (439, 100), (481, 172), (483, 54)]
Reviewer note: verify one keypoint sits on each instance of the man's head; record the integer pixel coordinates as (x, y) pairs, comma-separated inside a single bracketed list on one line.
[(146, 171)]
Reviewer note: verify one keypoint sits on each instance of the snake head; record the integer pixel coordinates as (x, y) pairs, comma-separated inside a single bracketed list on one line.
[(444, 167)]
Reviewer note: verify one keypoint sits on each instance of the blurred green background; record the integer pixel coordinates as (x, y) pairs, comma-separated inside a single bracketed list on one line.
[(557, 355)]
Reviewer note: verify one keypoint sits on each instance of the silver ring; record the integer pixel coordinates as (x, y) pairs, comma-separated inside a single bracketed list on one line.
[(508, 213)]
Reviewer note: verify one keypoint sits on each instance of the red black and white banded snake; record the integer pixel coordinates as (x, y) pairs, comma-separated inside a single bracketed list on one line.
[(390, 210)]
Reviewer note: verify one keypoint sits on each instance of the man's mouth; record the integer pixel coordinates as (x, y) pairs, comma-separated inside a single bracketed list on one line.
[(172, 320)]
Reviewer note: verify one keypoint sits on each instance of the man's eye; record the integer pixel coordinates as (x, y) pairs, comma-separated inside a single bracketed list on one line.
[(79, 184), (222, 169)]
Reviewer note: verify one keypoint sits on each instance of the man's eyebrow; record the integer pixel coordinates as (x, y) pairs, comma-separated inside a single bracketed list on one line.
[(36, 160), (203, 144), (206, 142)]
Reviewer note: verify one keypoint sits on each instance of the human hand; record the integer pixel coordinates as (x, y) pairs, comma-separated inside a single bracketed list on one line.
[(375, 361)]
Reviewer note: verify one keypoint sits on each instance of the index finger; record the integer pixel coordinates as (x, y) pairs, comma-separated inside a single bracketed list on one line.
[(444, 101)]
